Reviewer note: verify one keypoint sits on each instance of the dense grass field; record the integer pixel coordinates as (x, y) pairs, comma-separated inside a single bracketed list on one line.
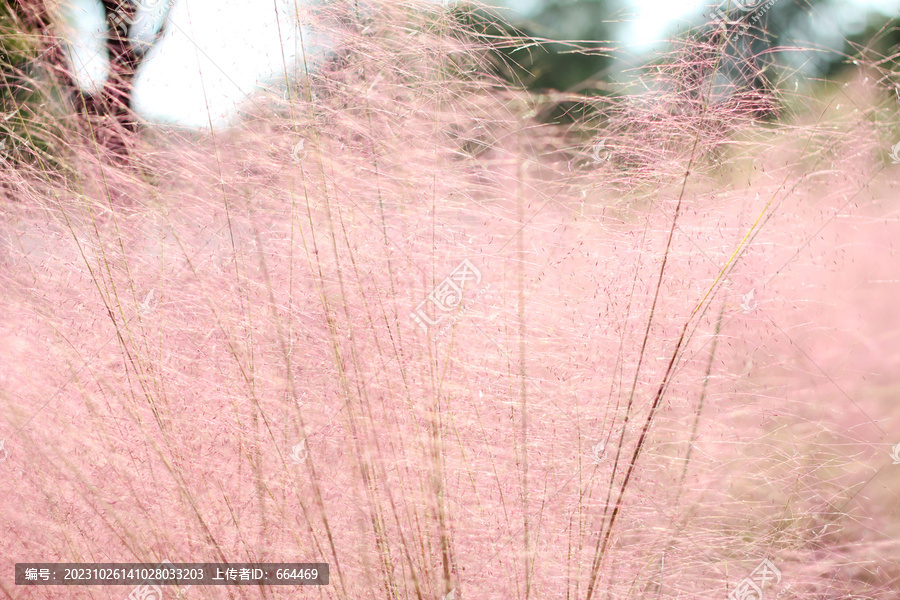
[(398, 325)]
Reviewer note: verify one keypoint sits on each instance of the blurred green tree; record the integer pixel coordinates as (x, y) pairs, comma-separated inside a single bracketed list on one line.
[(573, 46), (762, 41), (564, 45), (567, 47), (581, 36), (30, 62)]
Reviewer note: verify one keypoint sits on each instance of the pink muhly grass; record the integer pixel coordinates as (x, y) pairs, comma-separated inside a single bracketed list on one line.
[(681, 364)]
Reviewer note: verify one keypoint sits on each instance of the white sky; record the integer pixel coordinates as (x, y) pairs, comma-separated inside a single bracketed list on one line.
[(218, 51), (214, 54)]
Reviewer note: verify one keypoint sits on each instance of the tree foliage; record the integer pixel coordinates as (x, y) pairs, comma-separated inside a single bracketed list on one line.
[(571, 46), (564, 46), (31, 100)]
